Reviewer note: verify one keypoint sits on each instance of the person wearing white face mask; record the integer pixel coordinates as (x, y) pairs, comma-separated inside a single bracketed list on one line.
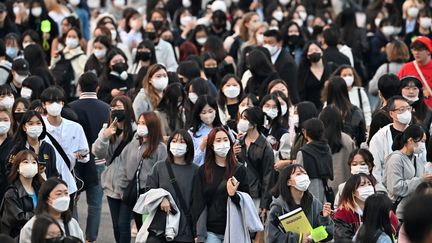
[(410, 13), (422, 28), (381, 143), (5, 146), (6, 97), (220, 177), (359, 161), (349, 215), (180, 159), (53, 199), (95, 62), (274, 129), (20, 199), (291, 192), (230, 92), (205, 117), (136, 162), (153, 86), (20, 71), (404, 168), (30, 135)]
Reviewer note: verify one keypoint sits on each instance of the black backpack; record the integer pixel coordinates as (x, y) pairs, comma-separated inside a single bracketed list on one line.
[(64, 74)]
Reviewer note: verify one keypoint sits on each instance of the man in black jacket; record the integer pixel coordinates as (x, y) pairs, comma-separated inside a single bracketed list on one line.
[(283, 62), (332, 56), (92, 113)]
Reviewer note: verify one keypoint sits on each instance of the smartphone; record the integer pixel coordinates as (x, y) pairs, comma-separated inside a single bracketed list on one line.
[(173, 211), (82, 152), (123, 88), (234, 181)]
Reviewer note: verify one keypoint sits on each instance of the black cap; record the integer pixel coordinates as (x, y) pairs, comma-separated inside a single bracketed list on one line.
[(21, 66), (2, 7)]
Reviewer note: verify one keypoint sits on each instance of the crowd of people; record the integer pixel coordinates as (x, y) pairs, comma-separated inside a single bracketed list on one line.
[(208, 120)]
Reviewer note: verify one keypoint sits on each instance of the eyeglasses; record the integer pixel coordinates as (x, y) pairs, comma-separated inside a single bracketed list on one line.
[(402, 109)]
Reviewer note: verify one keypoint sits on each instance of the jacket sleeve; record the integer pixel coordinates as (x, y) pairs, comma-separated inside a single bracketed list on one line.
[(267, 169), (343, 230), (272, 233), (397, 184), (376, 149), (123, 181), (13, 215), (100, 145), (153, 179)]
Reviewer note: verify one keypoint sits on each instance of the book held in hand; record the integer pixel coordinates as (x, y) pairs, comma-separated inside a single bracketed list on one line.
[(295, 222)]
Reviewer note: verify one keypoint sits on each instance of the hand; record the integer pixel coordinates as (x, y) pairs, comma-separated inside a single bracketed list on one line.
[(196, 240), (232, 187), (305, 238), (203, 144), (116, 92), (109, 131), (237, 148), (240, 135), (263, 214), (326, 209), (282, 163), (229, 60), (427, 177), (165, 205), (78, 156)]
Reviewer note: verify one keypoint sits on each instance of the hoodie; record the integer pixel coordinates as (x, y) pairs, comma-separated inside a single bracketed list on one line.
[(317, 160)]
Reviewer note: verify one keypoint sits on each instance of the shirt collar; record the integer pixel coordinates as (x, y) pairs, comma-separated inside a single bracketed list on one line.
[(276, 55), (88, 95)]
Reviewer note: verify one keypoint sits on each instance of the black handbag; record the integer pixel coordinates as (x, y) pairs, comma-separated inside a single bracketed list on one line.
[(329, 193), (132, 191)]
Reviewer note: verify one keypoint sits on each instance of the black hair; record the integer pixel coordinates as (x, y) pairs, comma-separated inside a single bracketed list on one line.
[(284, 118), (284, 32), (420, 109), (391, 102), (189, 69), (337, 94), (306, 110), (26, 104), (33, 35), (2, 48), (332, 120), (367, 156), (149, 45), (202, 101), (314, 129), (423, 187), (197, 29), (20, 138), (331, 36), (275, 123), (5, 89), (36, 84), (256, 117), (53, 94), (417, 218), (388, 85), (415, 132), (43, 195), (376, 218), (88, 82), (215, 44), (281, 189), (4, 238), (189, 156), (169, 104), (40, 227), (221, 96), (259, 63), (104, 40), (273, 33), (35, 56)]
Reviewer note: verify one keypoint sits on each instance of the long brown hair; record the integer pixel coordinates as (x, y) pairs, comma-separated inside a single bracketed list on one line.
[(129, 118), (210, 161), (18, 158), (151, 91), (347, 201), (154, 136), (244, 31)]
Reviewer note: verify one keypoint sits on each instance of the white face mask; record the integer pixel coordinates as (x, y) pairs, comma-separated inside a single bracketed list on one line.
[(26, 92), (160, 83), (302, 182), (74, 2), (178, 149), (365, 192), (61, 204), (377, 22), (208, 118), (4, 127), (185, 20), (193, 97), (411, 99), (119, 3), (272, 113), (221, 149), (405, 117), (295, 120), (7, 102), (71, 43), (413, 12), (425, 22), (243, 125), (142, 130), (54, 109), (20, 78), (113, 35), (36, 11), (186, 3), (260, 39), (356, 169), (284, 109), (349, 80), (303, 15), (201, 40), (388, 30), (28, 170), (420, 148), (100, 53), (34, 131), (231, 91), (271, 49), (278, 15)]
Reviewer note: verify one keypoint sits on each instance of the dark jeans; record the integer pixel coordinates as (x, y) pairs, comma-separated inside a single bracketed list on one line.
[(121, 217), (94, 202)]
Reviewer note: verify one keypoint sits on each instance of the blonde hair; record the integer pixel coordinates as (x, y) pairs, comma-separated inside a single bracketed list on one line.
[(244, 31), (397, 51)]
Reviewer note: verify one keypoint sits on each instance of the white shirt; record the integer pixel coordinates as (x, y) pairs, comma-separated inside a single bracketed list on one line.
[(275, 56), (71, 137), (165, 55)]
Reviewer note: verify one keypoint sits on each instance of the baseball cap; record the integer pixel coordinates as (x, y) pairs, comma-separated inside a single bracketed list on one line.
[(21, 66)]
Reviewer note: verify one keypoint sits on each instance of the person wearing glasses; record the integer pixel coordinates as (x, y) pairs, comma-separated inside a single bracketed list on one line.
[(381, 143)]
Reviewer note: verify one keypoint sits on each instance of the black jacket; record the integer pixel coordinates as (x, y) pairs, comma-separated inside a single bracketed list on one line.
[(334, 58), (113, 82), (259, 161), (287, 69), (257, 85), (317, 160), (355, 125), (5, 149), (16, 209)]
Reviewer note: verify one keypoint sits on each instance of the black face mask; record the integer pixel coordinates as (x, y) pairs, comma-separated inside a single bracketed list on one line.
[(119, 114), (157, 24), (293, 39), (151, 35), (143, 55), (219, 24), (210, 72), (18, 116), (314, 57), (119, 131), (120, 67), (55, 240)]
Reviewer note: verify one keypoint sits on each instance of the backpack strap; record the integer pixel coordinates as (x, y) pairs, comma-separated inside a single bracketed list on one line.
[(60, 150)]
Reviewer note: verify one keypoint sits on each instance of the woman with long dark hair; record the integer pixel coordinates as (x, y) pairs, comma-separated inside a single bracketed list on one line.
[(302, 112), (145, 56), (194, 89), (37, 64), (312, 74), (291, 192), (271, 106), (96, 61), (377, 225), (214, 182), (340, 143), (180, 159), (353, 121), (170, 109), (229, 95), (205, 117)]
